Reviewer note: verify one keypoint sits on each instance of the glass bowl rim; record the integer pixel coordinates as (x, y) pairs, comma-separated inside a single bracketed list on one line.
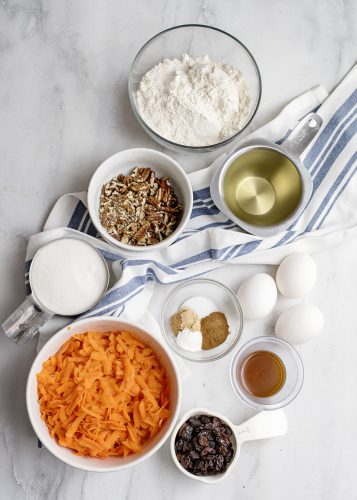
[(236, 303), (183, 146), (264, 406)]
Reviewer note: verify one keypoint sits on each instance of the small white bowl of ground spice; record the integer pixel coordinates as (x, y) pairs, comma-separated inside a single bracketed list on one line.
[(202, 320)]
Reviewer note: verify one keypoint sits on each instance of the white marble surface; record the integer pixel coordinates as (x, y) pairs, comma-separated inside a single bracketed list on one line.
[(63, 109)]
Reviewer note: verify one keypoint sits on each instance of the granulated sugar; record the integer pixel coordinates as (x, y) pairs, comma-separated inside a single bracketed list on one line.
[(68, 276)]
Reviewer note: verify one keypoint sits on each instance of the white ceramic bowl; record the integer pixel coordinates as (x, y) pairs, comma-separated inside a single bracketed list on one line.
[(263, 425), (122, 163), (110, 464)]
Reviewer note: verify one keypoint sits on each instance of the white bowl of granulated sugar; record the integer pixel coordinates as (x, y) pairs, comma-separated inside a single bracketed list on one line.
[(194, 88)]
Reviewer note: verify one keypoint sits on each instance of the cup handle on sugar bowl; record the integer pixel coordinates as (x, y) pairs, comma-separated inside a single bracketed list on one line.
[(25, 322), (263, 425)]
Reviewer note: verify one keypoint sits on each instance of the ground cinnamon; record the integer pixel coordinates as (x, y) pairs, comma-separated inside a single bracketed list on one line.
[(214, 329)]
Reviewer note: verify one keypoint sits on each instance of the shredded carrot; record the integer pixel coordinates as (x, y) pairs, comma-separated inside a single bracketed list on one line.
[(103, 394)]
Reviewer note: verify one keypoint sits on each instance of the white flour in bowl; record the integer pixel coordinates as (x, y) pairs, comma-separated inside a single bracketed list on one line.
[(194, 101)]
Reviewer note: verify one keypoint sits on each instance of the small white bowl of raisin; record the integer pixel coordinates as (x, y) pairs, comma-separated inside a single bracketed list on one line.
[(205, 445)]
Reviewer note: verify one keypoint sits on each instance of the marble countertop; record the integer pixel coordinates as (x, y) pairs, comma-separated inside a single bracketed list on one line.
[(64, 109)]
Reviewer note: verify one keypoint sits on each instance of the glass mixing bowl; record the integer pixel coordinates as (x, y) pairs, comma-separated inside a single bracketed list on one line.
[(195, 40), (224, 300), (294, 373)]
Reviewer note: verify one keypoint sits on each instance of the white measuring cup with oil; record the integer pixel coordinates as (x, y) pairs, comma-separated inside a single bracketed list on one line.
[(263, 425), (68, 276)]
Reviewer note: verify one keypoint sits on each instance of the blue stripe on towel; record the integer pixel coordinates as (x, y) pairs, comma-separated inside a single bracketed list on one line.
[(197, 212), (202, 194), (329, 129), (248, 247), (332, 190), (210, 254), (77, 216), (335, 152), (84, 224), (141, 262), (199, 203), (284, 239), (331, 143), (92, 230), (112, 257), (337, 196)]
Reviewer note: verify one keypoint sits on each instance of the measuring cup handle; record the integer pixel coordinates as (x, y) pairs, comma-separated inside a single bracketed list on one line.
[(265, 424), (25, 321), (303, 134)]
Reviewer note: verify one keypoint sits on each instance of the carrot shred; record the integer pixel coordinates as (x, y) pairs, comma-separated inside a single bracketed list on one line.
[(103, 394)]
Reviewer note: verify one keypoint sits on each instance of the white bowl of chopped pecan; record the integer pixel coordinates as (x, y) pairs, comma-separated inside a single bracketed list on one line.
[(140, 200)]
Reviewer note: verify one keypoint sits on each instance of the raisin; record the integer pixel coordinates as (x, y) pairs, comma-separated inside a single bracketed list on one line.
[(218, 431), (186, 461), (228, 431), (223, 441), (207, 451), (196, 445), (203, 439), (194, 421), (186, 431), (228, 457), (179, 444), (198, 464), (194, 455), (216, 421), (185, 448), (223, 450), (219, 462), (210, 464)]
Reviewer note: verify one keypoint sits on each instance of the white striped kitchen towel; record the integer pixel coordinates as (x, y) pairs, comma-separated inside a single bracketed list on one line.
[(210, 239)]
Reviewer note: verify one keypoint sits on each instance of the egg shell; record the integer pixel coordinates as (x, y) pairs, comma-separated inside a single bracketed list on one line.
[(300, 323), (296, 275), (257, 296)]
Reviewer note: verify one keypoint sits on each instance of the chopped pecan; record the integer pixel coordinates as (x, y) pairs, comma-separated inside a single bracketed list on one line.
[(139, 209)]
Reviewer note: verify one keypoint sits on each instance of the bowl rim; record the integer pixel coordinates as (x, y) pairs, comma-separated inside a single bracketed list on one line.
[(236, 302), (31, 408), (184, 147), (132, 249), (260, 405)]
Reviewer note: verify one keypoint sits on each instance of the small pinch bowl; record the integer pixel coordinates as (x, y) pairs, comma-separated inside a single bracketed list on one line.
[(109, 464), (293, 366), (122, 163), (225, 301), (263, 425)]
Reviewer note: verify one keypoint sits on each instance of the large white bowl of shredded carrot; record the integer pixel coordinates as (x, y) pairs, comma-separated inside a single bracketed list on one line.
[(103, 394)]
